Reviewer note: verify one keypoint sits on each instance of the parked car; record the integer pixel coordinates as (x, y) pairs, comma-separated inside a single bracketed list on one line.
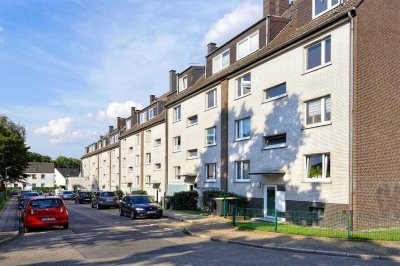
[(66, 195), (38, 191), (15, 192), (56, 192), (25, 196), (82, 196), (105, 199), (139, 206), (43, 212)]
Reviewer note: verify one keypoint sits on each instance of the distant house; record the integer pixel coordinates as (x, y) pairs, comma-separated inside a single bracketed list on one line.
[(61, 174), (38, 175)]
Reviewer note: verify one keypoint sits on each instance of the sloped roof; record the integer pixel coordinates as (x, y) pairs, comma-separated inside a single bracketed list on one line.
[(38, 167), (69, 172)]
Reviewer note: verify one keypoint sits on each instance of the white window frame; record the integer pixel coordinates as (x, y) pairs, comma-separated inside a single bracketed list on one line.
[(137, 160), (148, 135), (189, 124), (137, 179), (152, 113), (177, 110), (220, 66), (148, 181), (183, 83), (239, 128), (214, 136), (177, 174), (137, 139), (207, 165), (324, 177), (241, 179), (156, 168), (240, 81), (155, 142), (275, 146), (177, 148), (143, 117), (323, 54), (329, 8), (148, 158), (323, 119), (123, 162), (214, 92), (130, 169), (130, 149), (276, 97), (247, 39), (189, 157)]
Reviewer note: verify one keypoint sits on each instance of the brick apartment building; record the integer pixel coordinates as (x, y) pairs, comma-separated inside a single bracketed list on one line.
[(297, 113)]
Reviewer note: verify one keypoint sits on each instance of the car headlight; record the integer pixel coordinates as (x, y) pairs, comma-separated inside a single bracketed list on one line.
[(139, 209)]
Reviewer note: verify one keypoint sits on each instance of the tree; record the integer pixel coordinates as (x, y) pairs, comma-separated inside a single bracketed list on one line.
[(13, 151), (65, 162), (36, 157)]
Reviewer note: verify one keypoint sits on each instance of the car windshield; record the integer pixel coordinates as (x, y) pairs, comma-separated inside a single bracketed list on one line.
[(67, 192), (141, 200), (30, 194), (107, 194), (85, 194), (45, 203)]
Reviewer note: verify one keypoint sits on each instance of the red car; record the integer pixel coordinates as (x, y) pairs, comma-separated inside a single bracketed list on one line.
[(48, 211)]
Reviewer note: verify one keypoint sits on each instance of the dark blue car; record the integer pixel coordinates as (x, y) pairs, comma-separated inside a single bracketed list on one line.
[(139, 206)]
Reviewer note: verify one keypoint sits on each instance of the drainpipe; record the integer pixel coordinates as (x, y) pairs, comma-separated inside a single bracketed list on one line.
[(351, 15)]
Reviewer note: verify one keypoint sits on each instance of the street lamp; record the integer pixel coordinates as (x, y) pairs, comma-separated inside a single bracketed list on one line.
[(7, 168)]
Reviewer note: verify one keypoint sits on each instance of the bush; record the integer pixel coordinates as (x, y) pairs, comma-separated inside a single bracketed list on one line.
[(139, 192), (119, 193), (185, 200), (241, 201)]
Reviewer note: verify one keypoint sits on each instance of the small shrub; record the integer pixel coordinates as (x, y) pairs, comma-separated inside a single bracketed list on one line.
[(208, 194), (119, 193), (185, 200), (241, 201), (139, 192)]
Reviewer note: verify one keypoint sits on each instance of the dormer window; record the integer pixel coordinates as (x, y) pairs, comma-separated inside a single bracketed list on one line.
[(221, 61), (143, 117), (322, 6), (183, 83), (247, 46), (152, 113)]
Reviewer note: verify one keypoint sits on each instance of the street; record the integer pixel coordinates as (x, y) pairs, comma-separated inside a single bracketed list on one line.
[(104, 238)]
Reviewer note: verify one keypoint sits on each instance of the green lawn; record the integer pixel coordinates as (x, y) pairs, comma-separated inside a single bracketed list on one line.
[(2, 203), (388, 235), (195, 212)]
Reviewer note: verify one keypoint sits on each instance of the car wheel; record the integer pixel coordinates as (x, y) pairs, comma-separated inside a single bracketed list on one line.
[(133, 215), (120, 212), (98, 206), (66, 226)]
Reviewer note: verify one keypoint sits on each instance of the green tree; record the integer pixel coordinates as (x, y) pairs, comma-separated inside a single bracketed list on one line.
[(36, 157), (67, 162), (13, 151)]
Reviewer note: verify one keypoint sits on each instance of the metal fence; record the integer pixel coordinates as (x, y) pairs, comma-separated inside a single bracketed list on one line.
[(319, 224)]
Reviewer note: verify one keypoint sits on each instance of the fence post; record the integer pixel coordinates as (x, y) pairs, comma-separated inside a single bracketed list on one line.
[(225, 205), (276, 221), (348, 226), (234, 216)]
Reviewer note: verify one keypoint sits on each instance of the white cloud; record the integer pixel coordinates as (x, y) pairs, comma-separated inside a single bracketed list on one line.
[(55, 128), (232, 23), (116, 109)]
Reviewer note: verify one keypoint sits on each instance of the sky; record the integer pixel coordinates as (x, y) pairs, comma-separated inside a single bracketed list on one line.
[(69, 68)]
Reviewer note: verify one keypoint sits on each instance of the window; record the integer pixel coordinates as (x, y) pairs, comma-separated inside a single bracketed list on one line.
[(243, 86), (318, 110), (34, 176), (318, 166), (183, 83), (247, 46), (322, 6), (211, 171), (275, 141), (128, 126), (192, 120), (275, 92), (130, 150), (210, 136), (221, 61), (157, 142), (152, 113), (42, 176), (242, 128), (148, 135), (192, 154), (242, 169), (123, 162), (42, 184), (148, 158), (177, 173), (211, 99), (137, 139), (143, 117), (177, 143), (130, 169), (33, 184), (137, 160), (157, 167), (148, 181), (318, 54), (177, 113), (137, 179)]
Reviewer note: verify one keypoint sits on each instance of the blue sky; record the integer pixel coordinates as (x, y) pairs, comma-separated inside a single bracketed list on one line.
[(68, 68)]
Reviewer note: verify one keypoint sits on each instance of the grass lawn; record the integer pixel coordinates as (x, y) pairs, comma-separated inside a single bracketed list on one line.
[(388, 234), (2, 203), (195, 212)]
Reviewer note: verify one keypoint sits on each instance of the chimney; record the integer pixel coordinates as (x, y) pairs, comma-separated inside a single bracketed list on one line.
[(132, 110), (172, 81), (119, 123), (110, 128), (152, 99), (275, 7), (211, 47)]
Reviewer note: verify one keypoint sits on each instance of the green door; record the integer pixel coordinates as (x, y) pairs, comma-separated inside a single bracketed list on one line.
[(270, 201)]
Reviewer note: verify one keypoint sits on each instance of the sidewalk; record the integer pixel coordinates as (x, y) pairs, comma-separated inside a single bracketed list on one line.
[(220, 229), (9, 221)]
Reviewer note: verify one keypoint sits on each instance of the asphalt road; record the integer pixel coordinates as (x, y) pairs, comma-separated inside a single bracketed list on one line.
[(105, 238)]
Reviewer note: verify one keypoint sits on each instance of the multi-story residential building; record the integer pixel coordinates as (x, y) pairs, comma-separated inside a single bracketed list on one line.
[(288, 113)]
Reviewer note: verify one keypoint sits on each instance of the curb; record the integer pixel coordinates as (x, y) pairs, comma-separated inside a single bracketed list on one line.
[(14, 235), (296, 250), (177, 219)]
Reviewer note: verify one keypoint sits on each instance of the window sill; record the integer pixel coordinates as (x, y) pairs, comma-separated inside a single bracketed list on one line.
[(192, 158), (158, 170), (275, 98), (317, 68), (176, 181), (208, 109), (321, 124), (242, 139), (211, 145), (316, 180), (192, 125), (211, 181), (243, 96), (176, 151), (276, 147), (176, 121), (242, 181)]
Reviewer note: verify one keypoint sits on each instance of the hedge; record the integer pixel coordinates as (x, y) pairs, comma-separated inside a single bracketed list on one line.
[(185, 200), (139, 192)]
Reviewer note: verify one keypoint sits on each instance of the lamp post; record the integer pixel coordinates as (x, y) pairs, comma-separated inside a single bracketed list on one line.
[(7, 168)]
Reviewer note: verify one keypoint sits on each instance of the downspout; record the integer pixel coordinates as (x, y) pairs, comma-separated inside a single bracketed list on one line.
[(351, 15)]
